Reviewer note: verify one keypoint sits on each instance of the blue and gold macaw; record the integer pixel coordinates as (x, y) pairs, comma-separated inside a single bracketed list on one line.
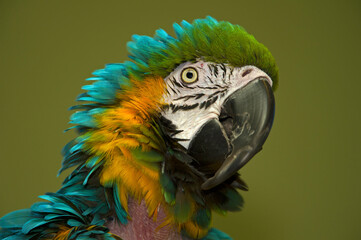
[(161, 138)]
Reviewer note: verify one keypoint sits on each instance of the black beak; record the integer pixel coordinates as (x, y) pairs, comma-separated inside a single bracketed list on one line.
[(223, 146)]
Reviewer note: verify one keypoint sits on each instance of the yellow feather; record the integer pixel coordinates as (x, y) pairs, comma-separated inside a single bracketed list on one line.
[(128, 126), (63, 233), (194, 231), (128, 142)]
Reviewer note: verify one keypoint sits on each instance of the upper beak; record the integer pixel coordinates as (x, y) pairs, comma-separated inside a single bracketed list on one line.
[(225, 145)]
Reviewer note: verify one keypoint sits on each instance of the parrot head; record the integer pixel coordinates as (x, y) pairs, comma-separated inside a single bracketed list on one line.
[(174, 125), (222, 115)]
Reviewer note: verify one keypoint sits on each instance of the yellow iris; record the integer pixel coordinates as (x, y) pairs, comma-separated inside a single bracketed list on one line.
[(189, 75)]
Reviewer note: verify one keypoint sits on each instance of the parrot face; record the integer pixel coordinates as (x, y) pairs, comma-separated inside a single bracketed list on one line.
[(221, 114)]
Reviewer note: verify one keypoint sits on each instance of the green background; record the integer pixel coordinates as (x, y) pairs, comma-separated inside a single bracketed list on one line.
[(305, 184)]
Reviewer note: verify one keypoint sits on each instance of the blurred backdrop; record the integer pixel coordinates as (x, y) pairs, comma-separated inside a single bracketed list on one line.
[(305, 184)]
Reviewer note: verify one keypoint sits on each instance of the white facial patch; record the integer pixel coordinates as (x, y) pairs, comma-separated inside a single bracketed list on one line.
[(192, 104)]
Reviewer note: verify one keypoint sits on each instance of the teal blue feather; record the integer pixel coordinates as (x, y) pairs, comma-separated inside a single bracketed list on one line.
[(71, 160), (89, 99), (16, 219), (215, 234), (120, 211), (44, 218), (73, 223), (93, 169), (76, 147), (55, 216), (67, 208), (234, 200), (94, 79), (42, 207), (20, 237), (83, 118), (96, 209), (86, 106), (33, 223), (92, 161), (102, 90), (203, 217), (163, 36), (98, 220)]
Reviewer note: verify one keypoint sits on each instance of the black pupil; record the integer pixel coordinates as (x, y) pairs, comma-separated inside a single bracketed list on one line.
[(189, 75)]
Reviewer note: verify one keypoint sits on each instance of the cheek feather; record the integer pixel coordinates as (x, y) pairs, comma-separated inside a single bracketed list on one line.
[(144, 96)]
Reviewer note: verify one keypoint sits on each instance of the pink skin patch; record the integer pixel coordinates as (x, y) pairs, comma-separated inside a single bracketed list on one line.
[(141, 226)]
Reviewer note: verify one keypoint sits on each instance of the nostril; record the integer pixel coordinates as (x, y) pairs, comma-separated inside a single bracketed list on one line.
[(246, 72)]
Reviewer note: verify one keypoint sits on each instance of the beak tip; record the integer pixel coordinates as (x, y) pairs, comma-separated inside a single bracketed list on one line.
[(209, 184)]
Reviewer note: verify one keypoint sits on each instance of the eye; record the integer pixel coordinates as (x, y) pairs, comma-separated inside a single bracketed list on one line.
[(189, 75)]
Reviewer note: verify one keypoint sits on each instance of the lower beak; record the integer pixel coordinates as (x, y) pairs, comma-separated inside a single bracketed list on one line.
[(225, 145)]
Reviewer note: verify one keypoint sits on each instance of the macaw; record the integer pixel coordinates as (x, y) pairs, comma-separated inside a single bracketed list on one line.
[(161, 138)]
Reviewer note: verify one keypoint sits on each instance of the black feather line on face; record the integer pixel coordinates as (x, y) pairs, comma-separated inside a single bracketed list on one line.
[(172, 89), (187, 107), (210, 79), (199, 95), (224, 70), (187, 97), (223, 91), (231, 73), (184, 107), (210, 69), (215, 70), (208, 88), (174, 81), (210, 102)]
